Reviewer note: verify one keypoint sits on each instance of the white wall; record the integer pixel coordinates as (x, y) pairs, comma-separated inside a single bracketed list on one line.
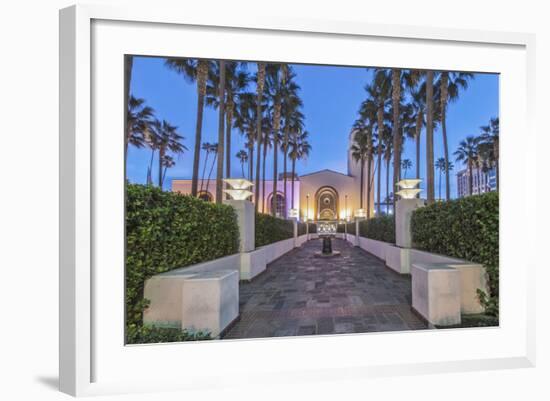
[(29, 211)]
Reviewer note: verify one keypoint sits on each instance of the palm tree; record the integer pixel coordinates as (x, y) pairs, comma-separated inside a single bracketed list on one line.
[(418, 104), (260, 83), (405, 165), (236, 81), (450, 84), (267, 140), (194, 70), (167, 139), (128, 64), (490, 136), (299, 150), (245, 122), (207, 147), (388, 153), (430, 137), (359, 151), (214, 151), (275, 82), (243, 158), (139, 119), (221, 110), (440, 166), (167, 162), (292, 117), (467, 152)]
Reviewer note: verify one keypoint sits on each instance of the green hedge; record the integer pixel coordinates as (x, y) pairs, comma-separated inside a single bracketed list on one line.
[(302, 228), (465, 228), (312, 228), (271, 229), (166, 230), (380, 228)]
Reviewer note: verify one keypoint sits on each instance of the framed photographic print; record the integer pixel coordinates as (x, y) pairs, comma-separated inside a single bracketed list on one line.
[(285, 197)]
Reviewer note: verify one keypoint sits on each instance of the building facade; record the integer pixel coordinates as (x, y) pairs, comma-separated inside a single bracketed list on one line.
[(320, 195), (482, 182)]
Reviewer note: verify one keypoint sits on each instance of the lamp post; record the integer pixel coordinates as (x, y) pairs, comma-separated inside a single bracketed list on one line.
[(346, 214), (307, 215)]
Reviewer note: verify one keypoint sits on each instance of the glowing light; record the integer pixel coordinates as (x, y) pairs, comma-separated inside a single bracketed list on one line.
[(408, 193), (238, 194), (408, 184), (238, 183), (360, 213), (293, 213)]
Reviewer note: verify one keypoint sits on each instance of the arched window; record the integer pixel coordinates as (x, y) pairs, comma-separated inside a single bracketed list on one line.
[(278, 202), (205, 196)]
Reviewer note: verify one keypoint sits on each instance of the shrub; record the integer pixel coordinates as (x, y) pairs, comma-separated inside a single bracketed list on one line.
[(465, 228), (312, 228), (302, 228), (166, 230), (271, 229), (351, 228), (341, 228), (380, 228), (151, 334)]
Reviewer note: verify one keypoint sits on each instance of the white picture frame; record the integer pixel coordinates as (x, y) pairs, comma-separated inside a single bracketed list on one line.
[(84, 355)]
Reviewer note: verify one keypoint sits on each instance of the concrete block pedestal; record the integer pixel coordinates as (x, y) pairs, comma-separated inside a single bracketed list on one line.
[(436, 293), (403, 213), (246, 221), (207, 301), (398, 259)]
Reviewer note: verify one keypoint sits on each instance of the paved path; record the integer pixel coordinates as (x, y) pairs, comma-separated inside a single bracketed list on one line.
[(299, 294)]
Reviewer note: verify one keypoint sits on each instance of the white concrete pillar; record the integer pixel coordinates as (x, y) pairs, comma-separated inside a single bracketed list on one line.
[(403, 214), (356, 240), (245, 219)]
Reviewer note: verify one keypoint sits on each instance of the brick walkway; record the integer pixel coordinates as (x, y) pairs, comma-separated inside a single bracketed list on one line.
[(303, 295)]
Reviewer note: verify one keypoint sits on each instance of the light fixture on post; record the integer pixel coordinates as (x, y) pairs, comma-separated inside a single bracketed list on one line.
[(293, 213), (408, 189), (360, 213), (239, 189)]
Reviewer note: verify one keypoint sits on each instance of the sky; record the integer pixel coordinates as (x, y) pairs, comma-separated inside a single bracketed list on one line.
[(331, 96)]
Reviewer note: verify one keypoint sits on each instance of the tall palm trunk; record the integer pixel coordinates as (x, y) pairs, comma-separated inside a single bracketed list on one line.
[(221, 94), (292, 191), (396, 132), (276, 126), (228, 122), (378, 173), (242, 168), (150, 168), (251, 159), (211, 169), (128, 64), (444, 95), (263, 177), (161, 157), (259, 93), (362, 182), (471, 174), (439, 194), (429, 138), (495, 151), (418, 132), (204, 168), (285, 155), (202, 75), (388, 185)]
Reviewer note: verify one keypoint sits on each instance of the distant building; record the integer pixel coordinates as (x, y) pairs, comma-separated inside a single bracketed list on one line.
[(321, 195), (482, 182)]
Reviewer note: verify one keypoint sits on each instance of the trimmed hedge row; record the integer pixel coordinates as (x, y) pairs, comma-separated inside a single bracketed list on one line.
[(380, 228), (166, 230), (465, 228), (302, 228), (312, 228), (271, 229)]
